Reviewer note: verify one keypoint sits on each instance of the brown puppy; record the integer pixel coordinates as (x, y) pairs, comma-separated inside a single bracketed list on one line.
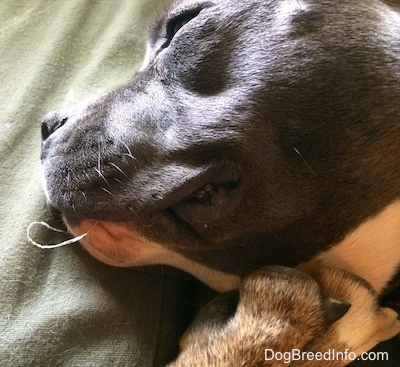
[(284, 317)]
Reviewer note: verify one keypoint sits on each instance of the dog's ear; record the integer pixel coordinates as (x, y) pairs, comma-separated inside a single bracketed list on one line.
[(334, 309)]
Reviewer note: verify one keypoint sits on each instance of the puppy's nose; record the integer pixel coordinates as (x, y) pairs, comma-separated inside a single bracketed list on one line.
[(51, 122)]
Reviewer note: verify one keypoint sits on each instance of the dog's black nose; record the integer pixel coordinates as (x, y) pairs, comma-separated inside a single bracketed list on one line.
[(51, 122)]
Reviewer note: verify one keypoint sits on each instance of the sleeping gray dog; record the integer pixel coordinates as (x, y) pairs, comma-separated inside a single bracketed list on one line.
[(257, 132)]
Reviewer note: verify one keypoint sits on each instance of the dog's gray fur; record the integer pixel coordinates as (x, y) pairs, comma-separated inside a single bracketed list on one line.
[(258, 132), (289, 109)]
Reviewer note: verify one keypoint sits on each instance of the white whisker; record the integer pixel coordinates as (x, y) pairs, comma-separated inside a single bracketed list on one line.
[(99, 157), (107, 191), (119, 169), (305, 162), (84, 196), (129, 154), (102, 176)]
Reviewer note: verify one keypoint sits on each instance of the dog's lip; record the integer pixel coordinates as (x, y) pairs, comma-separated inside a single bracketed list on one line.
[(178, 197), (224, 175)]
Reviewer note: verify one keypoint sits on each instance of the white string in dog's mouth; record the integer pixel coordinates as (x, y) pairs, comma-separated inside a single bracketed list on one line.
[(51, 246)]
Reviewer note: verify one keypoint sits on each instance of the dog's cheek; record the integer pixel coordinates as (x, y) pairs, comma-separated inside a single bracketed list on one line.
[(209, 75)]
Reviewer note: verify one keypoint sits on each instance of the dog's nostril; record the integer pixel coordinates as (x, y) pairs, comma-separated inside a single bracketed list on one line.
[(51, 122), (45, 131)]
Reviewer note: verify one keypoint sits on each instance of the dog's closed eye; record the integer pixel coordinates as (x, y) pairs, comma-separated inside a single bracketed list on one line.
[(178, 19), (176, 22)]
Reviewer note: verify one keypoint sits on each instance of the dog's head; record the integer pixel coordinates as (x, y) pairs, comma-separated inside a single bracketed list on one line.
[(277, 310), (256, 132)]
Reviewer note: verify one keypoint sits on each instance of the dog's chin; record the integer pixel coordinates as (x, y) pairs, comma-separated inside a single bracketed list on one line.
[(115, 243)]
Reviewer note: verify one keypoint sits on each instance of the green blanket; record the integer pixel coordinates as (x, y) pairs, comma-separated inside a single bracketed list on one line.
[(60, 307)]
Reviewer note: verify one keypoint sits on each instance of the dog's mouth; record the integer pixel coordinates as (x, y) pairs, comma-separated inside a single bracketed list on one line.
[(183, 215), (197, 196)]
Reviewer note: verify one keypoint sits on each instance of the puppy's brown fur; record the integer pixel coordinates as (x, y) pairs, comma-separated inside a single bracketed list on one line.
[(283, 310)]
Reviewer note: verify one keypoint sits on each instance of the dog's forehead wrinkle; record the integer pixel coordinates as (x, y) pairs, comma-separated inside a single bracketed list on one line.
[(194, 127)]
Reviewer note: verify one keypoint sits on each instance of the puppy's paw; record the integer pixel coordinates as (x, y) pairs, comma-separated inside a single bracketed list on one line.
[(276, 311)]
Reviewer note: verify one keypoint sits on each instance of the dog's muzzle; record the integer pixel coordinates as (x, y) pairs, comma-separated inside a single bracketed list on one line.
[(104, 180)]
